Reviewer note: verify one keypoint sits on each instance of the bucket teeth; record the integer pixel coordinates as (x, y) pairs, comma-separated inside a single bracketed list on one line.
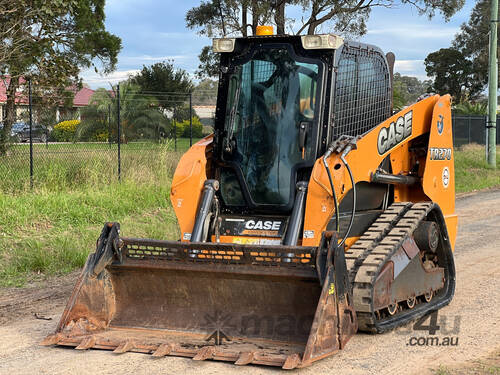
[(204, 353), (124, 347), (163, 350), (51, 339), (291, 362), (86, 343), (245, 358)]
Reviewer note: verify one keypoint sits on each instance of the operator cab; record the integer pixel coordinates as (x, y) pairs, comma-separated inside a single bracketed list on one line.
[(281, 100)]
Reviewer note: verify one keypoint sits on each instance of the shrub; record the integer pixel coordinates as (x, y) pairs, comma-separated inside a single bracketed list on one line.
[(197, 128), (65, 131)]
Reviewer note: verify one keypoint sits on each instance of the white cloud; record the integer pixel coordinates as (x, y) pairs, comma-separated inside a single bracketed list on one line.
[(413, 68), (147, 58), (417, 31), (408, 65), (95, 80)]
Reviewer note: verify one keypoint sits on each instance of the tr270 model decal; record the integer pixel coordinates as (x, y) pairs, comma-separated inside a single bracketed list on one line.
[(440, 153), (395, 133)]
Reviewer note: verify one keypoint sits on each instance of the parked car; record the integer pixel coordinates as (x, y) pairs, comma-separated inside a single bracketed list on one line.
[(40, 133), (15, 131)]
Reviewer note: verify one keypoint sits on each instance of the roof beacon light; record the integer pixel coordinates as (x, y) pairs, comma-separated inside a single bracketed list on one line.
[(264, 30), (324, 41), (223, 45)]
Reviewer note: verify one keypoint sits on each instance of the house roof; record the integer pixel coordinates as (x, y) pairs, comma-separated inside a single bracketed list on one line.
[(20, 99), (81, 99)]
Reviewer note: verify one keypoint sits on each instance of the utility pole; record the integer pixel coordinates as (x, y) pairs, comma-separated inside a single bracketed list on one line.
[(491, 126)]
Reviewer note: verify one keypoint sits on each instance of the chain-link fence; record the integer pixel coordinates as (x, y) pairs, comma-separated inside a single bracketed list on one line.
[(65, 139), (471, 129)]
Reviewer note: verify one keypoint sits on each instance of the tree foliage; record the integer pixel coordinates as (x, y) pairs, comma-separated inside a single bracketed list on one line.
[(473, 43), (50, 41), (140, 115), (469, 108), (161, 80), (451, 71), (407, 90), (205, 93), (471, 47), (216, 18)]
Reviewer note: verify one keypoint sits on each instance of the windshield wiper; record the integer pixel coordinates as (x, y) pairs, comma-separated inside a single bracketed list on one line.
[(232, 114)]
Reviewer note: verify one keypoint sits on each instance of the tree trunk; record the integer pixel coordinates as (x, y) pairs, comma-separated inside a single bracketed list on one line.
[(244, 19), (255, 16), (10, 114), (312, 27), (279, 17)]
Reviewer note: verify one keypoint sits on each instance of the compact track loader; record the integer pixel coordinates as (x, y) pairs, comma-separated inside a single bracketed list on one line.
[(312, 212)]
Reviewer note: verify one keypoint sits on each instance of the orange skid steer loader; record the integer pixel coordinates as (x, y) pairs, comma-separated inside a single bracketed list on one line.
[(312, 212)]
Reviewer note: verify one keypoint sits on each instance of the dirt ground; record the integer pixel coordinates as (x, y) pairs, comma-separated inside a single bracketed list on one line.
[(471, 321)]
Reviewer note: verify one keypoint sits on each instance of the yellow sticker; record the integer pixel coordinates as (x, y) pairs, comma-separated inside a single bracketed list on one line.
[(332, 289), (256, 241)]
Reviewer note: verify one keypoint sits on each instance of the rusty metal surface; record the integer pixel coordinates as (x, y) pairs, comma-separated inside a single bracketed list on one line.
[(224, 253), (271, 309), (416, 281), (382, 287), (412, 281)]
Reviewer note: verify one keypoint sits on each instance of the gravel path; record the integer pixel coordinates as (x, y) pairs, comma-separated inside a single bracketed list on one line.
[(473, 318)]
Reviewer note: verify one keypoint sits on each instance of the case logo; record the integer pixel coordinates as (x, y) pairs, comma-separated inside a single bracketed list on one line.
[(260, 224), (393, 135)]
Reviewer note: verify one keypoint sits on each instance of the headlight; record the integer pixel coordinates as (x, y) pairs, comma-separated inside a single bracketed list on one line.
[(325, 41), (223, 45)]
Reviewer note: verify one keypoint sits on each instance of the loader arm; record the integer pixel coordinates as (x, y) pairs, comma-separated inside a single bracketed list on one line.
[(421, 120)]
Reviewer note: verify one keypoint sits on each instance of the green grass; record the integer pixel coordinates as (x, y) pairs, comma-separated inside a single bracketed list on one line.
[(471, 170), (51, 230), (63, 166)]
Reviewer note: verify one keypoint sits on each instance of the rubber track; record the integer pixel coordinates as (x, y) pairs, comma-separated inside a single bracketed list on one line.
[(395, 225), (358, 252)]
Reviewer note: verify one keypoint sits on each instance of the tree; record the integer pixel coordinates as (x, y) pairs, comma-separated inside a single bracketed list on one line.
[(216, 18), (140, 115), (205, 93), (50, 41), (451, 71), (209, 63), (407, 90), (164, 82), (473, 43), (469, 108)]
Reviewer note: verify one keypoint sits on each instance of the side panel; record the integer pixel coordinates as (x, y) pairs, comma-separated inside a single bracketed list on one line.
[(439, 173), (372, 148), (187, 185)]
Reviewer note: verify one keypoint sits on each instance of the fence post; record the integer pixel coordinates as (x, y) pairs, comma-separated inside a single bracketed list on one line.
[(190, 119), (119, 131), (30, 109), (468, 128), (109, 125), (175, 132)]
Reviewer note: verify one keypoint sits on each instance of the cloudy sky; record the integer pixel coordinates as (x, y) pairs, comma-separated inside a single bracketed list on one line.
[(153, 30)]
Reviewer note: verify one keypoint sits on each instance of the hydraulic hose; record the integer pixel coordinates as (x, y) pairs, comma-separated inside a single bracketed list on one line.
[(353, 199), (337, 215)]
